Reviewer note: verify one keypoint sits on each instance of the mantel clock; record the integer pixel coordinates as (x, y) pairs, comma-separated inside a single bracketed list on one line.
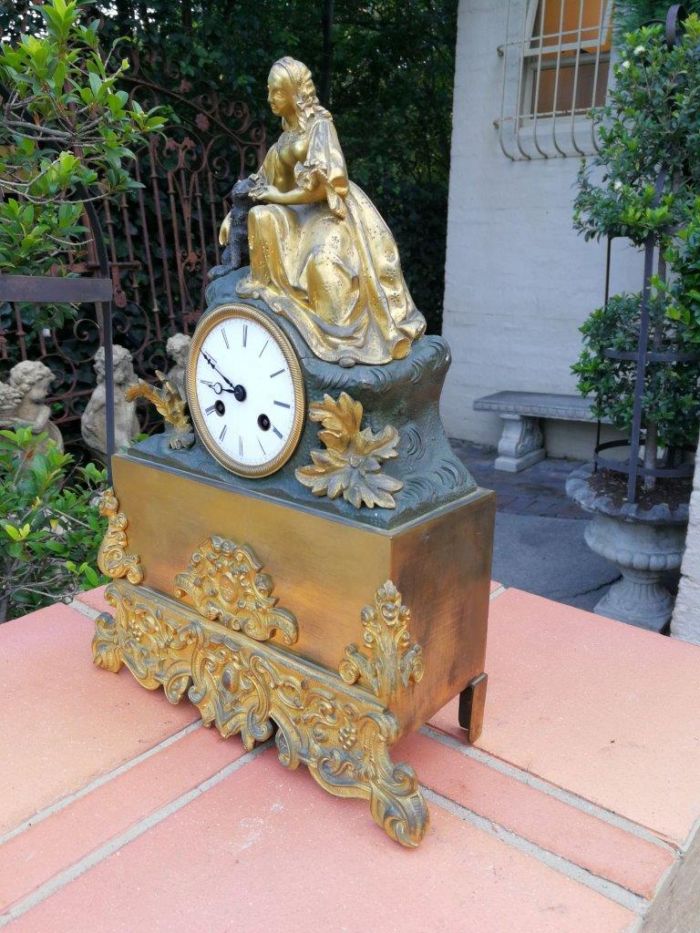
[(245, 390), (306, 558)]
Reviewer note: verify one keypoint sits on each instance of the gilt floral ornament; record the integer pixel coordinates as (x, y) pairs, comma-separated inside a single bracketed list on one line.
[(170, 404), (351, 464)]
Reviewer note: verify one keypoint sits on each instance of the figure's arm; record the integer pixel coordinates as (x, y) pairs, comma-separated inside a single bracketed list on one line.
[(92, 418), (272, 195), (41, 420), (245, 188)]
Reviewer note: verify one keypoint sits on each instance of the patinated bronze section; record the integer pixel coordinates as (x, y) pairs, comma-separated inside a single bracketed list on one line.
[(112, 558)]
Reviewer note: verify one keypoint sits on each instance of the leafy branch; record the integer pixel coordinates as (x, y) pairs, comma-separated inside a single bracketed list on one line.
[(65, 127), (50, 529)]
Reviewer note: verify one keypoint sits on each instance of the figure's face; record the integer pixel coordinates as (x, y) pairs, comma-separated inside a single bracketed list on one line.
[(121, 371), (280, 96), (40, 389)]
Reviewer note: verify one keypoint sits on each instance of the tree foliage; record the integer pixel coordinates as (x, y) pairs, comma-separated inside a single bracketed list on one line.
[(670, 393), (66, 126), (389, 70), (631, 15), (645, 183)]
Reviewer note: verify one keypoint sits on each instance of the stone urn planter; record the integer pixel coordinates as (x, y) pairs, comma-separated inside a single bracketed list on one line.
[(644, 542)]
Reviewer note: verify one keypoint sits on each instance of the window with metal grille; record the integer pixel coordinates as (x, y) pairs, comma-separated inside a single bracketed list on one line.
[(556, 60)]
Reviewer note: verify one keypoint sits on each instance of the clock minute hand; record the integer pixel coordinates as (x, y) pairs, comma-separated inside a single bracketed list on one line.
[(238, 391), (210, 360)]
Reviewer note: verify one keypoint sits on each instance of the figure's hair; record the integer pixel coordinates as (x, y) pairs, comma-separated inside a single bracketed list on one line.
[(119, 355), (305, 96), (28, 373), (177, 343)]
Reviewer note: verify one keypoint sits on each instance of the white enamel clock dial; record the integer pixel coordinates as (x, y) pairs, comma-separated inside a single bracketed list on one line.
[(245, 390)]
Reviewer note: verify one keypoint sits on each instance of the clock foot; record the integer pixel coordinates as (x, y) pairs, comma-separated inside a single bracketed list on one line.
[(471, 707), (340, 731)]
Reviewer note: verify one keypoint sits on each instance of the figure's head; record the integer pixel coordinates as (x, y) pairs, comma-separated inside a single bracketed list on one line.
[(178, 348), (291, 91), (32, 379), (121, 362)]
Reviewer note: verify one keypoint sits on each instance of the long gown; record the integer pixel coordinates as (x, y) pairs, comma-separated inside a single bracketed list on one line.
[(332, 266)]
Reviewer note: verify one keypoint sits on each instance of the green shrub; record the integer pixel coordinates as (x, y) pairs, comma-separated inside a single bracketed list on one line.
[(644, 184), (50, 528), (670, 398), (66, 124)]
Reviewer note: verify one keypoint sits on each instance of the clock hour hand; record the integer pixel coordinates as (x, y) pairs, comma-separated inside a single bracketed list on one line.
[(216, 386)]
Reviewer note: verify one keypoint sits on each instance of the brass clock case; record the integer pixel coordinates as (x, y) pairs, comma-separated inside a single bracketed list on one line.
[(206, 325)]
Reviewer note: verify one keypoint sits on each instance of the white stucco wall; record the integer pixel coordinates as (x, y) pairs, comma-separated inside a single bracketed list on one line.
[(685, 623), (519, 280)]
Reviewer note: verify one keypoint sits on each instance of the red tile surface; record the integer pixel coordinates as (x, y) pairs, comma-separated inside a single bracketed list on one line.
[(606, 711), (52, 845), (267, 849), (603, 709), (62, 720), (583, 839)]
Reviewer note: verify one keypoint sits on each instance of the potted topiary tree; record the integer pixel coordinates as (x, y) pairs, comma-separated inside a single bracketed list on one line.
[(640, 357)]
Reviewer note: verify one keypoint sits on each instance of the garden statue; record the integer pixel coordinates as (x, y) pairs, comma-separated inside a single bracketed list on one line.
[(178, 348), (9, 400), (93, 424), (23, 400), (320, 253)]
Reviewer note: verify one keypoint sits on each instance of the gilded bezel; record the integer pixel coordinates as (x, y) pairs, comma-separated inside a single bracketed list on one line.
[(205, 326)]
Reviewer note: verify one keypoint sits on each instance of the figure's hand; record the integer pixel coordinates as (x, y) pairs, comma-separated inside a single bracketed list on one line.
[(265, 193), (225, 231)]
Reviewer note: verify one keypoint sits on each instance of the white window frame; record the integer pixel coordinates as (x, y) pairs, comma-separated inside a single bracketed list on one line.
[(523, 132)]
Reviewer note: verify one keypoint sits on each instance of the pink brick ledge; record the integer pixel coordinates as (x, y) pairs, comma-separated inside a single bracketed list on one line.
[(121, 813)]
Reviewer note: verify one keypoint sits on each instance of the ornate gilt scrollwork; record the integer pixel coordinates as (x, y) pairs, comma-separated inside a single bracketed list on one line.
[(341, 733), (140, 636), (112, 558), (224, 583), (392, 663)]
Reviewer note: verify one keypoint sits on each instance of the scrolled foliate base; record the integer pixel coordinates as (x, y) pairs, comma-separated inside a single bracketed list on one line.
[(342, 733)]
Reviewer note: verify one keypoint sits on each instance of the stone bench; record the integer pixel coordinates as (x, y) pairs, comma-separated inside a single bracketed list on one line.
[(522, 441)]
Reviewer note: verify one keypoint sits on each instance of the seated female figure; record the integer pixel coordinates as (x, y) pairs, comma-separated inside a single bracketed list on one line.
[(320, 253)]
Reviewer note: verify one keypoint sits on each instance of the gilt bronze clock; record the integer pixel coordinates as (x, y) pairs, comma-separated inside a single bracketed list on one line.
[(312, 561)]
